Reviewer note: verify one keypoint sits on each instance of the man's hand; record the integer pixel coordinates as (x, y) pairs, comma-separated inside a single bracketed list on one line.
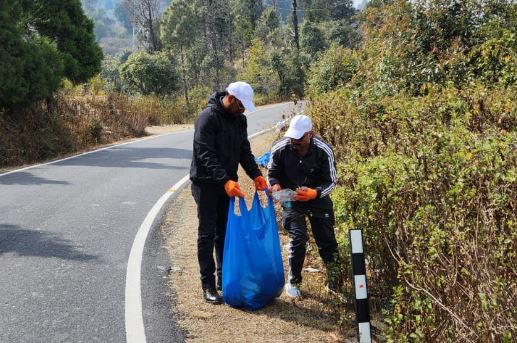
[(260, 183), (305, 194), (275, 188), (233, 189)]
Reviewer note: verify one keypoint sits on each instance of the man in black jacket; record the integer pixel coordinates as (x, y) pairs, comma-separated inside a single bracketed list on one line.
[(220, 144), (305, 163)]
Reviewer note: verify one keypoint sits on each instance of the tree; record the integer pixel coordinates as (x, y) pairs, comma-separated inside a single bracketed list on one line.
[(258, 71), (295, 25), (318, 11), (103, 24), (43, 42), (312, 40), (268, 27), (438, 42), (65, 24), (217, 35), (145, 14), (110, 74), (148, 74), (179, 29), (123, 16), (343, 33), (333, 69)]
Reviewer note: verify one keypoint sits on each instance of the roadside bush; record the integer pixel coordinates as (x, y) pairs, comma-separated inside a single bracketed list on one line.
[(432, 181), (333, 69), (148, 74)]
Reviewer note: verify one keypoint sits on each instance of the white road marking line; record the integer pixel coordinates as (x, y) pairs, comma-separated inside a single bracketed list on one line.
[(135, 330)]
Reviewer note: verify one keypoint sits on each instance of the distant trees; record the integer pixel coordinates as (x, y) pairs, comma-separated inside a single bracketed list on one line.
[(121, 13), (312, 40), (213, 42), (146, 14), (43, 41), (179, 28), (148, 74)]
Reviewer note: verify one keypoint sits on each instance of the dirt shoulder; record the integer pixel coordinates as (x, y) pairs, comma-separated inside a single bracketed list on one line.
[(310, 319), (158, 130)]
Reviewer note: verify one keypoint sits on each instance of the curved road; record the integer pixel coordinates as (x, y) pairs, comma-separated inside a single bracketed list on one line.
[(66, 231)]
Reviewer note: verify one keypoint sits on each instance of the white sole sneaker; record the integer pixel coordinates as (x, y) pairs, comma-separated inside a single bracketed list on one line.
[(292, 291)]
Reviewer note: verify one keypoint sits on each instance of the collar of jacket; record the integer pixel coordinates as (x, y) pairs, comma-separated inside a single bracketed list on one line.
[(215, 102)]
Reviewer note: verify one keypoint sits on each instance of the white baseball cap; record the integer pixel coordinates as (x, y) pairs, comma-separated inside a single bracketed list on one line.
[(244, 93), (299, 125)]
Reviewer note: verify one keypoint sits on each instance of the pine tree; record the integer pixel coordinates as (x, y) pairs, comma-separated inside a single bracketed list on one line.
[(42, 42)]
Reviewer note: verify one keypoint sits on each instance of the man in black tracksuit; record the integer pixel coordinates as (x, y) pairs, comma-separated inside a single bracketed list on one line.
[(305, 163), (220, 144)]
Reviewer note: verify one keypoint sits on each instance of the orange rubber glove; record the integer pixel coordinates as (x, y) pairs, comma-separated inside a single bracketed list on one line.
[(305, 194), (260, 183), (233, 189)]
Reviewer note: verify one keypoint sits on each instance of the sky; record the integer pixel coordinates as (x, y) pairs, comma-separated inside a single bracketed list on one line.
[(357, 2)]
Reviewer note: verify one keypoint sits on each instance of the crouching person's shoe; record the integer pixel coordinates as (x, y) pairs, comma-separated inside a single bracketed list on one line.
[(211, 295), (293, 290), (333, 287)]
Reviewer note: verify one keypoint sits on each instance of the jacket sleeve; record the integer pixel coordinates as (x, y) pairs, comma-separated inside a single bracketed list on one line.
[(246, 159), (274, 167), (204, 148), (328, 170)]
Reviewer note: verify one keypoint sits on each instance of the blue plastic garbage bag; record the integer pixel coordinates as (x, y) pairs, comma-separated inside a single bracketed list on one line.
[(263, 160), (253, 273)]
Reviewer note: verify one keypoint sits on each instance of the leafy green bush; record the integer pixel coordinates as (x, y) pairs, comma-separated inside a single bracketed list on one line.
[(148, 74), (432, 181), (258, 71), (332, 70)]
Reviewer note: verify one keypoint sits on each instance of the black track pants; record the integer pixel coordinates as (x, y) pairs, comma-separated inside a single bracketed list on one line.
[(212, 212), (323, 230)]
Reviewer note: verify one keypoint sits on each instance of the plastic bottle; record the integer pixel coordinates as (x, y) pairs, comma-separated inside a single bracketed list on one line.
[(285, 196)]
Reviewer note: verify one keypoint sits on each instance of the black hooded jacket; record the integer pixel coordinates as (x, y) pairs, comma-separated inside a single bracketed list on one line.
[(220, 144), (316, 170)]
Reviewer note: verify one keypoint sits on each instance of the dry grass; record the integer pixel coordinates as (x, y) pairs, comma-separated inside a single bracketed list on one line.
[(311, 319)]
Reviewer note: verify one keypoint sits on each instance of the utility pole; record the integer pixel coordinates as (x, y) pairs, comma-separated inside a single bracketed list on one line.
[(295, 26)]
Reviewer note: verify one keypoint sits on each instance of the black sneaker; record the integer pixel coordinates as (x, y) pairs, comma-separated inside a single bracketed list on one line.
[(334, 285), (332, 288)]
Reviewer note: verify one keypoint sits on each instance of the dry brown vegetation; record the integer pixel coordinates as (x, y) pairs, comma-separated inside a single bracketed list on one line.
[(73, 123)]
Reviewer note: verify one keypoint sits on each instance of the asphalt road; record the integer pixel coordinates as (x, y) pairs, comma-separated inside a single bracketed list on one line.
[(66, 230)]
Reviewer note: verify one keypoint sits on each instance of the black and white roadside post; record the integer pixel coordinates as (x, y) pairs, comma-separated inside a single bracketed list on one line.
[(362, 311)]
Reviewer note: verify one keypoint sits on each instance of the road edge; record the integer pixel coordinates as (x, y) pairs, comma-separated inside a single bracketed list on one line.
[(134, 320)]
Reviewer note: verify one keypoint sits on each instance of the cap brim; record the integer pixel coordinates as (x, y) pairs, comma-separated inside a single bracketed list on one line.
[(248, 105), (292, 133)]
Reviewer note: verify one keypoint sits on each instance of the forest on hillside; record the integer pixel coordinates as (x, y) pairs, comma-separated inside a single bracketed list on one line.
[(418, 99)]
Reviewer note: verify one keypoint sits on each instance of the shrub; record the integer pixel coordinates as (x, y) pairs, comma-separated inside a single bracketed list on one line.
[(432, 181), (335, 67), (148, 74)]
